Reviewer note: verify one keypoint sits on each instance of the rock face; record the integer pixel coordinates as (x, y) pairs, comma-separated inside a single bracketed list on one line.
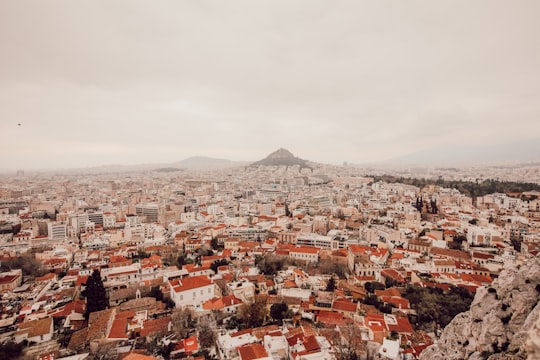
[(281, 157), (502, 323)]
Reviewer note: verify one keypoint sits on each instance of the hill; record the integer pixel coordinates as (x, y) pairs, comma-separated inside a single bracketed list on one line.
[(281, 157)]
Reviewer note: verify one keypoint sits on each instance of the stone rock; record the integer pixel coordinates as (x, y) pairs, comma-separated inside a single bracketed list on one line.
[(503, 321)]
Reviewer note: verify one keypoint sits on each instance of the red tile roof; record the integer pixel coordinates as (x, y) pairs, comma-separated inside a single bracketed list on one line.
[(190, 282), (155, 326), (345, 305), (252, 352)]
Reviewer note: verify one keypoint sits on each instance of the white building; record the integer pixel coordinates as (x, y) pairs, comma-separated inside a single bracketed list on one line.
[(243, 290), (192, 291), (57, 230)]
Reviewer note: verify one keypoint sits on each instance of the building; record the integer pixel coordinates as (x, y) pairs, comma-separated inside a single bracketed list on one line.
[(35, 331), (10, 280), (150, 212), (192, 291), (57, 230), (305, 253)]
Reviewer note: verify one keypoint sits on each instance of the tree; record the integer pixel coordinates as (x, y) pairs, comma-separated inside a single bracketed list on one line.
[(207, 336), (371, 286), (348, 343), (10, 351), (331, 284), (29, 265), (279, 311), (215, 245), (95, 294), (182, 322), (253, 314), (221, 262), (288, 212), (435, 307), (156, 293)]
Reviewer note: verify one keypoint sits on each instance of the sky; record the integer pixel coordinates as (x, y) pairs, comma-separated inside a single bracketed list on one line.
[(132, 82)]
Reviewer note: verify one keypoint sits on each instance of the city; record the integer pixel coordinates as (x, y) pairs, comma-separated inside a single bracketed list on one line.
[(145, 213), (281, 259)]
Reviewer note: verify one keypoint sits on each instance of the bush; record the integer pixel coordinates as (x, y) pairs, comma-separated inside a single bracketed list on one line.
[(435, 306), (10, 351)]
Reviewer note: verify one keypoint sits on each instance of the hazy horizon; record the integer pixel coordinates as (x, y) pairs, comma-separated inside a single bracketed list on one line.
[(131, 82)]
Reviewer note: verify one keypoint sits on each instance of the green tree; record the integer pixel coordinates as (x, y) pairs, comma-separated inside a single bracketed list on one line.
[(436, 307), (279, 311), (95, 294)]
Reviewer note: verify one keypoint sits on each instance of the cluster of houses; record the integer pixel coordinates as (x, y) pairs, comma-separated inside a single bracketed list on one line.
[(163, 247)]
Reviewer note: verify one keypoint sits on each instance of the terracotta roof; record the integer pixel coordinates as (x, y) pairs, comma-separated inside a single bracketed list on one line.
[(46, 277), (118, 329), (388, 292), (252, 352), (345, 305), (331, 318), (78, 340), (305, 250), (397, 301), (191, 282), (135, 356), (403, 325), (311, 344), (191, 344), (393, 274), (98, 323), (36, 327), (155, 326)]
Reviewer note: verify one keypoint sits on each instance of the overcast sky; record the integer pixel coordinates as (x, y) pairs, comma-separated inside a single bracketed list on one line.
[(130, 82)]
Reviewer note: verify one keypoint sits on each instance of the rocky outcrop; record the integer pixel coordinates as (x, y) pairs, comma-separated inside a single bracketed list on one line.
[(502, 323)]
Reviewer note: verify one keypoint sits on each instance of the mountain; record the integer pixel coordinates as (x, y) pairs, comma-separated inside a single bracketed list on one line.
[(502, 323), (191, 163), (281, 157)]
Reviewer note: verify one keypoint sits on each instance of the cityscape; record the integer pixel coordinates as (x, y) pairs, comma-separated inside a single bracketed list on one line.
[(279, 259), (269, 180)]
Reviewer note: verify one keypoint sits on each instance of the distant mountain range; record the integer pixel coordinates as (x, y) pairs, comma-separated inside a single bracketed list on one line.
[(191, 163), (281, 157), (499, 153)]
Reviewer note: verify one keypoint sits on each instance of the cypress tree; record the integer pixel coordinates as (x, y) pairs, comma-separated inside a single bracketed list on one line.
[(95, 294)]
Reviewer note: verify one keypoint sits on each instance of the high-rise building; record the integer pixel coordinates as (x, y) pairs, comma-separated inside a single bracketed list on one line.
[(57, 230), (149, 211)]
